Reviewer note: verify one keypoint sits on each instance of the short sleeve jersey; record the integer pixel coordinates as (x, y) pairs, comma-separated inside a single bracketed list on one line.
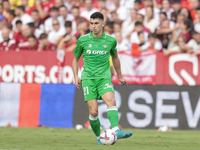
[(96, 53)]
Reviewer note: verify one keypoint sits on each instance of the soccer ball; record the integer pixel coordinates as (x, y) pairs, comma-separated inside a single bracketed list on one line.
[(108, 137)]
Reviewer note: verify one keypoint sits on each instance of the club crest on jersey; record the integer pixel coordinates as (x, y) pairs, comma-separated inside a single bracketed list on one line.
[(104, 45), (90, 45)]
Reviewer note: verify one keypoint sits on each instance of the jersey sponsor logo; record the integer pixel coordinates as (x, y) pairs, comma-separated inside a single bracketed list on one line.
[(104, 45), (88, 51), (99, 52), (108, 86), (90, 45)]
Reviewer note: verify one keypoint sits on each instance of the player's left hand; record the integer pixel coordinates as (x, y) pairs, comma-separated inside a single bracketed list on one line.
[(123, 81)]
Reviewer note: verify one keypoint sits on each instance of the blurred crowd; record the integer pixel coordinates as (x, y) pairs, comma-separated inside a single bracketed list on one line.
[(168, 26)]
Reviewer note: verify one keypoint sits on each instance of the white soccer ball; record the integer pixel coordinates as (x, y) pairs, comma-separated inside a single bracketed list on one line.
[(108, 137)]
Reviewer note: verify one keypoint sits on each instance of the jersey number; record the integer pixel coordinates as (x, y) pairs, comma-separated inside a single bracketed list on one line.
[(86, 90)]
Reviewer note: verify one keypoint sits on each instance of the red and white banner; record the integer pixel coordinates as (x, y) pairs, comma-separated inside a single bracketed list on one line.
[(53, 67), (36, 67), (137, 70), (177, 69)]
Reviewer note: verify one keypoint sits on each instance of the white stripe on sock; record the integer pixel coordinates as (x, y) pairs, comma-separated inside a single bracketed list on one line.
[(93, 118), (112, 109)]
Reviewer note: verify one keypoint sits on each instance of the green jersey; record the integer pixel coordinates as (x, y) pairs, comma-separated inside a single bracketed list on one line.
[(96, 53)]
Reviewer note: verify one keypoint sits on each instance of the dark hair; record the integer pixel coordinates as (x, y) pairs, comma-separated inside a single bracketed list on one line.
[(164, 13), (68, 24), (55, 19), (8, 25), (118, 31), (62, 6), (89, 0), (31, 25), (53, 9), (152, 35), (110, 25), (97, 15), (198, 8), (181, 37), (141, 32), (75, 7), (81, 20), (134, 10), (103, 9), (21, 7), (31, 36), (138, 23), (35, 10), (102, 0), (5, 1), (113, 12), (12, 12), (138, 1), (66, 34), (181, 15), (176, 2), (194, 33), (117, 23), (188, 24), (189, 14), (164, 20), (43, 36), (18, 22)]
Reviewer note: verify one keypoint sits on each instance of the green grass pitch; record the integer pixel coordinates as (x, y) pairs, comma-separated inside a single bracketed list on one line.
[(72, 139)]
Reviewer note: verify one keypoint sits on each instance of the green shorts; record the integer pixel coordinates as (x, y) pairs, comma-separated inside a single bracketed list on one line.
[(95, 88)]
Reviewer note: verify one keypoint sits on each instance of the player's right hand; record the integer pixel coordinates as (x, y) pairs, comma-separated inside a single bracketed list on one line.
[(78, 82)]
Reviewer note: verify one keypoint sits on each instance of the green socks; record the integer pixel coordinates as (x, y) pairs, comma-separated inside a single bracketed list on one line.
[(112, 114), (95, 124)]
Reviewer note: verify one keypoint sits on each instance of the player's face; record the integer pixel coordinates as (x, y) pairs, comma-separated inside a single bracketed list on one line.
[(96, 25)]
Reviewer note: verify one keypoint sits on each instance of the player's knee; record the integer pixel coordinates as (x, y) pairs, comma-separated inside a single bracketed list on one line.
[(94, 113), (111, 102)]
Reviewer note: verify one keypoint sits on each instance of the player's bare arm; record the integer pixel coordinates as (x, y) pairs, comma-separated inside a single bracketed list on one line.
[(75, 70), (117, 66)]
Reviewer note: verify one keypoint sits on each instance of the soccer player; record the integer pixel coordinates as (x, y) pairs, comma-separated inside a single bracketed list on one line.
[(96, 47)]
